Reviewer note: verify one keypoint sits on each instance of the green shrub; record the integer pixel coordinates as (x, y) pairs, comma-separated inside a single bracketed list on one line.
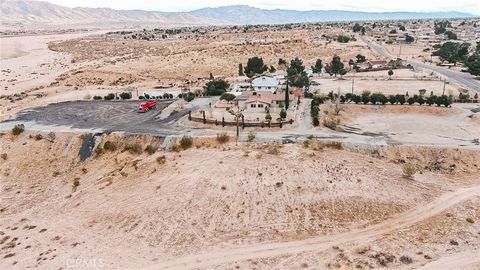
[(161, 160), (109, 146), (133, 148), (343, 39), (223, 137), (17, 129), (431, 100), (366, 97), (38, 137), (227, 96), (188, 96), (186, 142), (400, 99), (97, 97), (125, 95), (150, 149), (109, 96), (356, 99), (251, 136)]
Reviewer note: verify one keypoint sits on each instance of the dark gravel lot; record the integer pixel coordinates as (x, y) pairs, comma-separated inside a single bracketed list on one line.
[(106, 115)]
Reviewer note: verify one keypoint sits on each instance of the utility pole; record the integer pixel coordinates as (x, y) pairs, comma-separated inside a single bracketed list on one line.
[(444, 82), (353, 81)]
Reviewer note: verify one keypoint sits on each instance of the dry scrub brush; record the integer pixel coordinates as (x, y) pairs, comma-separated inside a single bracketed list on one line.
[(409, 170)]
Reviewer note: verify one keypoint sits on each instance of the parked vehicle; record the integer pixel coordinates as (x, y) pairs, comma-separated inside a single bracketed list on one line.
[(147, 105)]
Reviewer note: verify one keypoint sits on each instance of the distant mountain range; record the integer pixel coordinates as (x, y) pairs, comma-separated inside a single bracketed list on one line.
[(37, 13), (241, 14)]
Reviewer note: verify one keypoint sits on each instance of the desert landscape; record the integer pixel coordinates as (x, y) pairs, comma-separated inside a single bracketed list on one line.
[(238, 138)]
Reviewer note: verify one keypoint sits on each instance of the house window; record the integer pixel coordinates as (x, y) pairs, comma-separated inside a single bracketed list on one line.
[(260, 105), (253, 105)]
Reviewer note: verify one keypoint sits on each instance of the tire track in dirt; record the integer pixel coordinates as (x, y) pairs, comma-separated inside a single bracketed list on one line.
[(409, 218)]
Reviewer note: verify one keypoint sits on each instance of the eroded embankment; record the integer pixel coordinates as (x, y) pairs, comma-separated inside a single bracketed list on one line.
[(131, 204)]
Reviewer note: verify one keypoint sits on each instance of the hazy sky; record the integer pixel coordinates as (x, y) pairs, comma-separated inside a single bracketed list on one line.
[(471, 6)]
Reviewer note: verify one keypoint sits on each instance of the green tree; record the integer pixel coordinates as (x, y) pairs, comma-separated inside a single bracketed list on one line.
[(227, 96), (409, 39), (357, 28), (473, 64), (272, 69), (318, 66), (216, 87), (361, 58), (268, 117), (401, 28), (342, 72), (240, 70), (336, 65), (441, 27), (255, 66), (450, 35), (287, 97), (282, 63), (283, 114), (390, 73), (452, 52), (296, 74)]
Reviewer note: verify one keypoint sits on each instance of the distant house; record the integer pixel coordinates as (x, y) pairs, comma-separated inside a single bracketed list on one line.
[(377, 64), (401, 40), (265, 83), (363, 66)]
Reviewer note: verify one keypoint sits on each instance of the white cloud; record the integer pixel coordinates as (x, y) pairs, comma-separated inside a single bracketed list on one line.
[(471, 6)]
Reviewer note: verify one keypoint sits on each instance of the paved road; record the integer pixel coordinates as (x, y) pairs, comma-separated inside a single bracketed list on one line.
[(461, 78), (102, 115)]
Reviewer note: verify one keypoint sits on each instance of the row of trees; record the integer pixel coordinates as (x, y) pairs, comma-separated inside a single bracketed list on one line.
[(111, 96), (378, 98)]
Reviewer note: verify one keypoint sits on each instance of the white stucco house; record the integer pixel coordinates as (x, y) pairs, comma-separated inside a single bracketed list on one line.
[(265, 83)]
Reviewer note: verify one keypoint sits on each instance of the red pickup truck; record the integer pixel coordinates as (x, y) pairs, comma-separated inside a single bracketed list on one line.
[(147, 105)]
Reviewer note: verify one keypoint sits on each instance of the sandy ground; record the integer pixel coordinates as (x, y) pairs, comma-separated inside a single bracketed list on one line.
[(256, 203), (224, 206), (403, 80), (418, 124)]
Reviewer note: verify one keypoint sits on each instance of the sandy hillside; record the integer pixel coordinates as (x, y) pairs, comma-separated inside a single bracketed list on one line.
[(120, 209)]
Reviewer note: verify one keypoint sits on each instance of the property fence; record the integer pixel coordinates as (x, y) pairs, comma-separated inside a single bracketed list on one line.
[(241, 122)]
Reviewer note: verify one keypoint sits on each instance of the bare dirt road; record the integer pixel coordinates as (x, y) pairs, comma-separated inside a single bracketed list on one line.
[(222, 256)]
